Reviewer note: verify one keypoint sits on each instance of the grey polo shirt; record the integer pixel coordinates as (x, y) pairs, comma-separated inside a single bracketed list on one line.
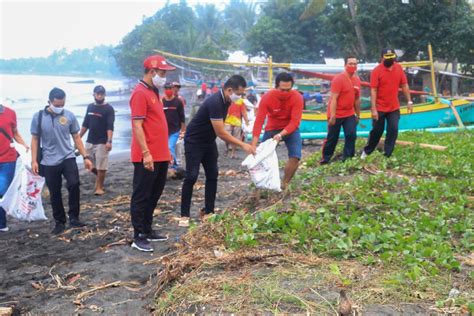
[(56, 131)]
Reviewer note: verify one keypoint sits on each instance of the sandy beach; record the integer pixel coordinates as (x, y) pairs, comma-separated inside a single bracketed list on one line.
[(94, 269)]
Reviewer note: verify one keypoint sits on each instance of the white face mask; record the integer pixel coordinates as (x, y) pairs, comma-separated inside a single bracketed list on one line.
[(234, 97), (56, 110), (158, 81)]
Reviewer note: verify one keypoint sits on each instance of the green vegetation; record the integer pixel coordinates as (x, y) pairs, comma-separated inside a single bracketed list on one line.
[(416, 211), (86, 62), (398, 230)]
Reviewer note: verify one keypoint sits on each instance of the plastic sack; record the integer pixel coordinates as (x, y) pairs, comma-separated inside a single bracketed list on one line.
[(263, 167), (23, 197), (180, 159)]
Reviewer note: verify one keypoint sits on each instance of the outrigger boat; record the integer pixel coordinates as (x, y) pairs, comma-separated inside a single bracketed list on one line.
[(437, 113)]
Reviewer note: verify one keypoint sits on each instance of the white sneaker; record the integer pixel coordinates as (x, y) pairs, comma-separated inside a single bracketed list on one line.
[(4, 229), (363, 155)]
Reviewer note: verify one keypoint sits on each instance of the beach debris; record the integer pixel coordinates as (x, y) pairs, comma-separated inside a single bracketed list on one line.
[(72, 277), (345, 304), (59, 281), (231, 173), (6, 311), (121, 242), (127, 284), (37, 285), (453, 293)]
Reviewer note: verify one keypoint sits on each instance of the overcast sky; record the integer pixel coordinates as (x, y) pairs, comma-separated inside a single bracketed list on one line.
[(36, 28)]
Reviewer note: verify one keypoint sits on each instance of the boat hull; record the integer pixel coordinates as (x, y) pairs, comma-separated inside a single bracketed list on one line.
[(435, 114)]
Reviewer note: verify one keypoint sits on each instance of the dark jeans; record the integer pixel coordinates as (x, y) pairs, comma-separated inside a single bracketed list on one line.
[(147, 189), (53, 176), (349, 124), (377, 130), (7, 172), (205, 154)]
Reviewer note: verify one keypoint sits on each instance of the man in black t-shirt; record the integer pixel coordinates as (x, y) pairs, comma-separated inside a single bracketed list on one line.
[(200, 144), (174, 111), (99, 120)]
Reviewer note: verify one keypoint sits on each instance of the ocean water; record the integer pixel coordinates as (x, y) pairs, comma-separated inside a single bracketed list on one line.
[(27, 94)]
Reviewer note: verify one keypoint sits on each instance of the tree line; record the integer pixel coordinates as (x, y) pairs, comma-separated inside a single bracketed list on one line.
[(306, 31), (97, 61)]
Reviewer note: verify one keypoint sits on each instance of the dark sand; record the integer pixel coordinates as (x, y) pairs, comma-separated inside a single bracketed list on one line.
[(43, 274)]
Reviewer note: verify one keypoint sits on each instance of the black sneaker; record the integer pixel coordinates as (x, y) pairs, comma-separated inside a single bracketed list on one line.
[(76, 223), (142, 244), (58, 229), (153, 236)]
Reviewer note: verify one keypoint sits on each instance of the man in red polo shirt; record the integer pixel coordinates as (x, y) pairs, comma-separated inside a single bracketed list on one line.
[(284, 108), (150, 152), (385, 80), (343, 110)]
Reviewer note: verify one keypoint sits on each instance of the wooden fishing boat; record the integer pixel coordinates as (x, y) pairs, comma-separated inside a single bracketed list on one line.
[(425, 115)]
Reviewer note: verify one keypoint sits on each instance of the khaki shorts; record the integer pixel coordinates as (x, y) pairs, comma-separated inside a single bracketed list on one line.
[(99, 155), (235, 131)]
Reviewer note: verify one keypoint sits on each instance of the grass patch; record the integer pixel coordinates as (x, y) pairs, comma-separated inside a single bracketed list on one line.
[(393, 230)]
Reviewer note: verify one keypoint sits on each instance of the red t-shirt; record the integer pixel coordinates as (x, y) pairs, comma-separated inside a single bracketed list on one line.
[(387, 82), (284, 111), (348, 90), (8, 124), (146, 105), (236, 110)]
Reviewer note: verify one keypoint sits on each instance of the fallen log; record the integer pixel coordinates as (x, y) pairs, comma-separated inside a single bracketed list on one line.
[(422, 145)]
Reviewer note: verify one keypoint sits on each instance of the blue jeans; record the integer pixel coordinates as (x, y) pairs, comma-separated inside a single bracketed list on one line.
[(7, 172), (349, 124), (293, 142), (378, 127), (172, 140)]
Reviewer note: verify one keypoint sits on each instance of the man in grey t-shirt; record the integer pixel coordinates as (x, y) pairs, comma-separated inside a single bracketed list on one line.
[(58, 159)]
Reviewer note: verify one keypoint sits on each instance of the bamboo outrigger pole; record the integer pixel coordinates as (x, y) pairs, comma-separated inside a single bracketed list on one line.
[(435, 93), (270, 65)]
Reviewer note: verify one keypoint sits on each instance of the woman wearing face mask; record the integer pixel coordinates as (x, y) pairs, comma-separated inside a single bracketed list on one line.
[(343, 110), (174, 111), (385, 80)]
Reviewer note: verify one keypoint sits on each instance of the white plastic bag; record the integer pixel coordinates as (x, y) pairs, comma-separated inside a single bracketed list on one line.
[(180, 158), (263, 167), (23, 197)]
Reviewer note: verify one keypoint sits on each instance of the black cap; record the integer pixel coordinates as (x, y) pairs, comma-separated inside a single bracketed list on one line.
[(388, 53), (168, 85), (176, 84), (99, 89)]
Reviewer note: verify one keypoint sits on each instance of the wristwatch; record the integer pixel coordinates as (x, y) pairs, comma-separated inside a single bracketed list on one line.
[(87, 157), (410, 102)]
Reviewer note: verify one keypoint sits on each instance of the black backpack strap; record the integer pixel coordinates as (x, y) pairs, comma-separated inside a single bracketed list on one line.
[(40, 118)]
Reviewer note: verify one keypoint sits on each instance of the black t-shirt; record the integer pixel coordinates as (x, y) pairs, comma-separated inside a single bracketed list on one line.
[(174, 112), (200, 130), (99, 119)]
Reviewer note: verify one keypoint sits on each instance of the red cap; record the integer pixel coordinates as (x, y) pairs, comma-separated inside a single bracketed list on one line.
[(157, 62)]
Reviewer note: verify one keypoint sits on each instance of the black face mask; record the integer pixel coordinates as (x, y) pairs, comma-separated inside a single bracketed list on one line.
[(99, 101), (388, 62)]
